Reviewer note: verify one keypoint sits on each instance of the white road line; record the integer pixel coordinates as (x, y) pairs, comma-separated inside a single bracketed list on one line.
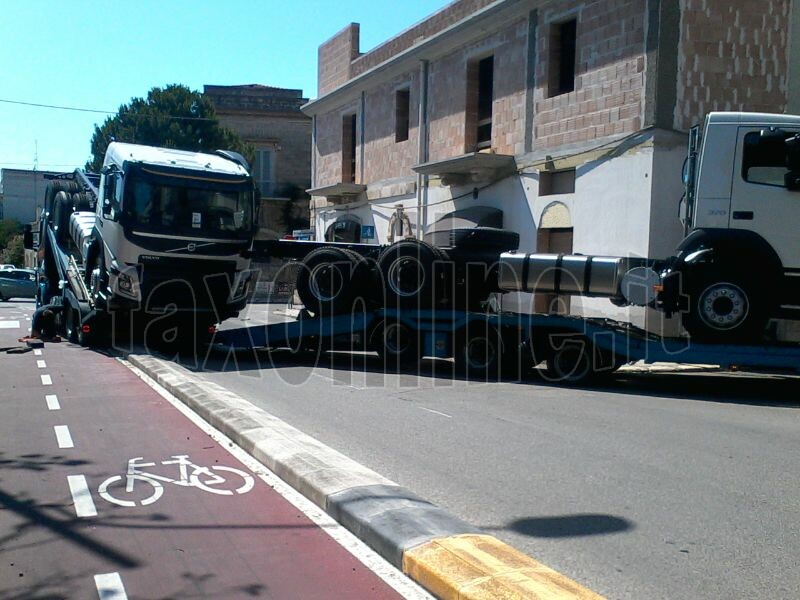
[(63, 436), (109, 587), (394, 578), (9, 324), (81, 496), (336, 382), (46, 380), (37, 352), (41, 364), (436, 412), (52, 402)]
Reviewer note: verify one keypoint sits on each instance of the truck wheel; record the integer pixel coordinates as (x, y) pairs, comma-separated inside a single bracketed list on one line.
[(479, 351), (573, 362), (398, 345), (330, 280), (409, 277), (72, 324), (724, 307)]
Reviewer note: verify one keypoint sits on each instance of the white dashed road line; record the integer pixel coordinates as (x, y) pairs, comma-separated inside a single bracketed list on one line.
[(46, 380), (63, 436), (9, 324), (109, 587), (41, 364), (37, 352), (436, 412), (81, 496), (52, 402)]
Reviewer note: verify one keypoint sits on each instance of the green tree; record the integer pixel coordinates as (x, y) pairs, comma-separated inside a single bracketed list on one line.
[(170, 117), (14, 253), (8, 229)]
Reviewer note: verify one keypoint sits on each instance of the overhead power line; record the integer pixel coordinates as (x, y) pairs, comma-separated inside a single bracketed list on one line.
[(97, 111)]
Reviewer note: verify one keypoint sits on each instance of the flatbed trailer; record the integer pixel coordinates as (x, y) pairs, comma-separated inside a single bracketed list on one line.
[(488, 345)]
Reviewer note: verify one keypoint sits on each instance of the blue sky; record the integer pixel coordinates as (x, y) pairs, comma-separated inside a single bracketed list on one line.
[(99, 55)]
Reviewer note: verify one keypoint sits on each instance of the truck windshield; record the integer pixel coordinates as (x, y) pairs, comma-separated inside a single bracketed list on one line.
[(191, 208)]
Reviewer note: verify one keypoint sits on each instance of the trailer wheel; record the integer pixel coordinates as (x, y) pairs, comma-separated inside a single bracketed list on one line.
[(398, 345), (72, 324), (479, 351), (409, 277), (330, 280), (724, 306), (573, 362)]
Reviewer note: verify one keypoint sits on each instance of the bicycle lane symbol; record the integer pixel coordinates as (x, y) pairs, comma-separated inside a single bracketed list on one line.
[(224, 481)]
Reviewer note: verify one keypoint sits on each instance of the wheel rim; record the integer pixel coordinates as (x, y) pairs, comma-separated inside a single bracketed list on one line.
[(326, 282), (723, 306), (397, 338), (481, 353), (406, 276)]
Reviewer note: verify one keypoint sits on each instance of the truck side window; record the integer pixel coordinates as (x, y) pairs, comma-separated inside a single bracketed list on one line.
[(764, 159)]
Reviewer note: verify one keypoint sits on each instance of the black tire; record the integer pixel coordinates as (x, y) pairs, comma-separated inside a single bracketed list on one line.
[(398, 345), (331, 279), (725, 306), (2, 298), (72, 324), (480, 352), (574, 362), (410, 277)]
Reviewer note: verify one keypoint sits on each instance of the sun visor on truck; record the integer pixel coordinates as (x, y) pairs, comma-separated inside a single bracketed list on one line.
[(178, 176)]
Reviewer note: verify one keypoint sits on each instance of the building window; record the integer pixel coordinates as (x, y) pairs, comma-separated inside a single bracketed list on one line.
[(563, 54), (402, 103), (556, 182), (349, 149), (480, 96), (764, 159), (264, 171)]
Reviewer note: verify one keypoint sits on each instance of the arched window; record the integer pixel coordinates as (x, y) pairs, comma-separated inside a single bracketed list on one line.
[(346, 228)]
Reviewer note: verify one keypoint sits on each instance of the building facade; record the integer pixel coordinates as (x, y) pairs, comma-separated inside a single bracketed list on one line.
[(270, 119), (569, 116), (22, 191)]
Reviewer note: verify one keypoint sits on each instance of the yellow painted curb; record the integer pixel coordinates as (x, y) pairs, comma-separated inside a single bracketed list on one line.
[(481, 567)]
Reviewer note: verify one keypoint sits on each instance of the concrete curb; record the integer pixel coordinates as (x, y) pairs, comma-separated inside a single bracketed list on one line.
[(442, 553)]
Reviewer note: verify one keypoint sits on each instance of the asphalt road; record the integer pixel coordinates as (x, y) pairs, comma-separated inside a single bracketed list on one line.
[(654, 486), (193, 522)]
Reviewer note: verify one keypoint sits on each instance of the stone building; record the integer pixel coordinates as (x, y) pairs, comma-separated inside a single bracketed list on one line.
[(270, 119), (569, 116)]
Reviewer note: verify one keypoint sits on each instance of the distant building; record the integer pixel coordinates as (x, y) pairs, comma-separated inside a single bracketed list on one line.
[(569, 116), (22, 191), (270, 119)]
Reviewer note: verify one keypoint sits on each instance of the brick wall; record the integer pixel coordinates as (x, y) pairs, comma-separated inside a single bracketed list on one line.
[(732, 56), (609, 71), (329, 146), (449, 15), (334, 59)]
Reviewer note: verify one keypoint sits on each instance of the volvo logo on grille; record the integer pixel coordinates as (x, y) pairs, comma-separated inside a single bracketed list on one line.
[(191, 247)]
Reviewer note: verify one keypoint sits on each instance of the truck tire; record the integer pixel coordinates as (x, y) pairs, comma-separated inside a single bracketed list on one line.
[(574, 362), (410, 277), (331, 279), (724, 306), (480, 353), (398, 345), (72, 324)]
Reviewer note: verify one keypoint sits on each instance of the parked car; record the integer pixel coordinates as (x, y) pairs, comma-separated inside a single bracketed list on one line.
[(17, 283)]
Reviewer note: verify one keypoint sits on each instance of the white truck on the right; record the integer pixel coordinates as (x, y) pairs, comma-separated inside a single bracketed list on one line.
[(738, 265)]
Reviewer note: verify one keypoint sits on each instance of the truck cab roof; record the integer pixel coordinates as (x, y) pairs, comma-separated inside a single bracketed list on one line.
[(758, 119), (119, 153)]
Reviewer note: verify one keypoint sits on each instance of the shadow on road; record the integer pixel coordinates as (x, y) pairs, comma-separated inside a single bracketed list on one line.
[(563, 526)]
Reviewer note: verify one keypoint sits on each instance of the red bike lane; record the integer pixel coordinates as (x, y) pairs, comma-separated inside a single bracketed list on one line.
[(197, 522)]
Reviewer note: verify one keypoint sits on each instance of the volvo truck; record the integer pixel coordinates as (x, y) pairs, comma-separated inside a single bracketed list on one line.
[(158, 236)]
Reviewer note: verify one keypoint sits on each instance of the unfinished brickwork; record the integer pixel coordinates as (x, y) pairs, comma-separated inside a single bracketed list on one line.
[(732, 56), (335, 58), (609, 72)]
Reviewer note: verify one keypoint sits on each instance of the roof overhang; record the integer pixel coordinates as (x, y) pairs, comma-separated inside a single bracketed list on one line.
[(472, 167), (338, 190), (478, 25)]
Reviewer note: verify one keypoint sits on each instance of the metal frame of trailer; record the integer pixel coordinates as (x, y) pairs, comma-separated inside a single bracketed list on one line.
[(445, 333)]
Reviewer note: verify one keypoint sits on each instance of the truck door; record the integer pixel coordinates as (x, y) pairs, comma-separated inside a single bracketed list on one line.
[(760, 201)]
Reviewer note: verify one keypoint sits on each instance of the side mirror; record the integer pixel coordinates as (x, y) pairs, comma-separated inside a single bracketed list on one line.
[(773, 134), (27, 238)]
